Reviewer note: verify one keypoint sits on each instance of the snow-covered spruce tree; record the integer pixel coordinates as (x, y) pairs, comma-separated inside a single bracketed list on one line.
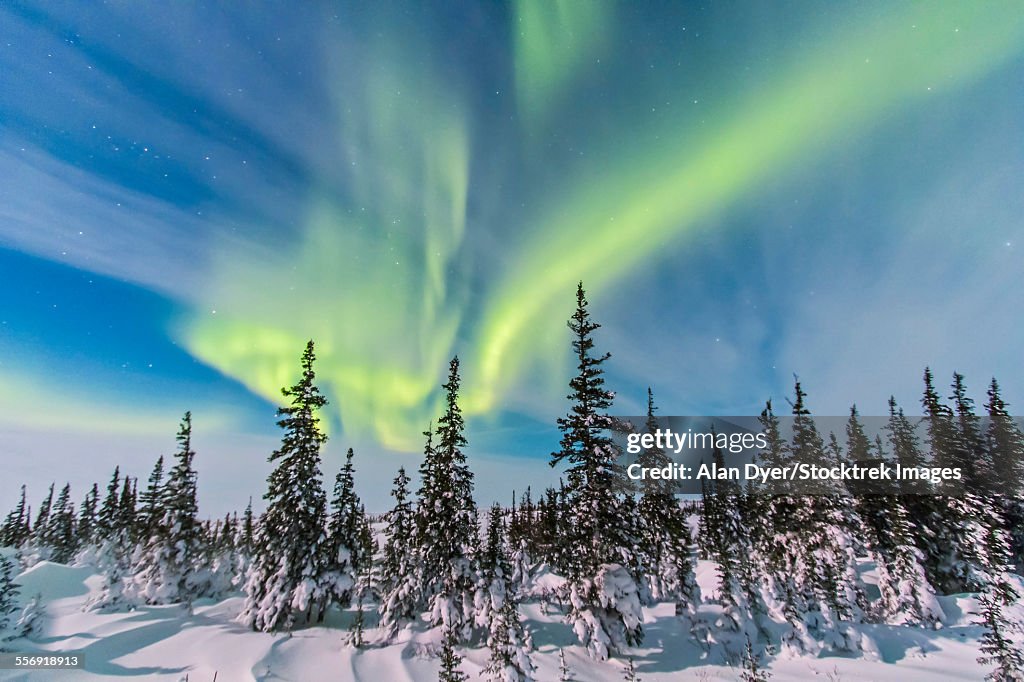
[(14, 531), (397, 572), (217, 560), (343, 558), (110, 551), (164, 572), (954, 519), (30, 618), (777, 553), (8, 601), (127, 508), (664, 539), (980, 475), (998, 644), (522, 539), (906, 596), (602, 595), (497, 610), (729, 547), (509, 643), (40, 544), (86, 528), (450, 658), (41, 528), (61, 531), (151, 502), (107, 520), (1006, 444), (825, 545), (244, 541), (282, 589), (446, 529)]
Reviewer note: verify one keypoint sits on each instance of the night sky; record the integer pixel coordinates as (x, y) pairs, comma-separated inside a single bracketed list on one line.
[(190, 191)]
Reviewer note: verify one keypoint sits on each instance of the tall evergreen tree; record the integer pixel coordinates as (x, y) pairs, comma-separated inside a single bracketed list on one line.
[(446, 526), (397, 574), (281, 590), (603, 597)]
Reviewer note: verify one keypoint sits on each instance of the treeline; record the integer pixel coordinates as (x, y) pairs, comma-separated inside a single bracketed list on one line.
[(786, 562)]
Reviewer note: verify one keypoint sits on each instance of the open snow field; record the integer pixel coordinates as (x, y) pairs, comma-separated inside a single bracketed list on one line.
[(165, 643)]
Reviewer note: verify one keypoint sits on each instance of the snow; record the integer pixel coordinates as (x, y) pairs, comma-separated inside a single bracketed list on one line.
[(165, 643)]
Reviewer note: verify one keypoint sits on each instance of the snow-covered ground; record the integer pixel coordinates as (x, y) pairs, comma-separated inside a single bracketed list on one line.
[(165, 643)]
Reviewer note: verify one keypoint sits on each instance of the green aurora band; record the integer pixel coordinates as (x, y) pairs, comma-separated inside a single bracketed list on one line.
[(382, 283)]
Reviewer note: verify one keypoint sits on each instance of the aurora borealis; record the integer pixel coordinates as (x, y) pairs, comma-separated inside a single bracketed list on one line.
[(747, 190)]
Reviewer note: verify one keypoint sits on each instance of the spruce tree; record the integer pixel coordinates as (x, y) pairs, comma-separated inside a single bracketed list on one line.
[(998, 644), (41, 528), (1006, 444), (830, 581), (151, 501), (497, 610), (664, 537), (87, 517), (777, 542), (446, 530), (12, 533), (61, 531), (8, 601), (397, 574), (630, 672), (729, 547), (126, 521), (281, 589), (954, 520), (343, 558), (30, 619), (450, 658), (107, 521), (979, 473), (164, 573), (604, 599), (906, 595)]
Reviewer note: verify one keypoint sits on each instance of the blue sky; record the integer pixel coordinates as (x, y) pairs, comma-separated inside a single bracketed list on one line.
[(748, 191)]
